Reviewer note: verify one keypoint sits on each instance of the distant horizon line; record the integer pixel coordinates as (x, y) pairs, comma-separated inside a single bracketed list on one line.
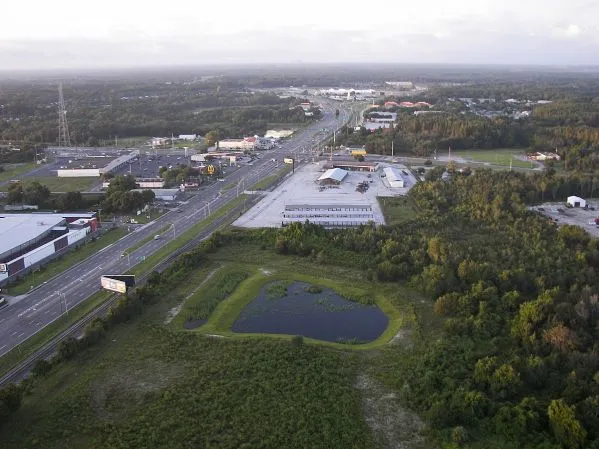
[(299, 64)]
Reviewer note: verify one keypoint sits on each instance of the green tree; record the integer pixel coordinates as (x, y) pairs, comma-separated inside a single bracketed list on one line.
[(212, 137), (566, 428), (11, 397), (71, 201), (36, 193), (15, 193)]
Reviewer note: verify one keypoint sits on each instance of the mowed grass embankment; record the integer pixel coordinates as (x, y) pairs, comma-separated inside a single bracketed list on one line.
[(499, 156), (15, 171), (56, 184)]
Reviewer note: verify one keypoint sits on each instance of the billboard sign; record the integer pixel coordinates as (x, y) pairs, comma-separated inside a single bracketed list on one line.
[(3, 268), (288, 160), (117, 283), (211, 169), (113, 285)]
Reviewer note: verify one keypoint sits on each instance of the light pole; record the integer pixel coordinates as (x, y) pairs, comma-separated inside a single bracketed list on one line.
[(174, 233)]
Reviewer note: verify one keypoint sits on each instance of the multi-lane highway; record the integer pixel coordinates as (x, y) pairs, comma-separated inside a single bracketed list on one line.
[(23, 318)]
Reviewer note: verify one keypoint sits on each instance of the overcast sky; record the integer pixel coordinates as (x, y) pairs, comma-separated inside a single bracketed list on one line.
[(42, 34)]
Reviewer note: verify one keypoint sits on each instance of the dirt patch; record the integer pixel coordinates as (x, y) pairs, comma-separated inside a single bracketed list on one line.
[(172, 313), (403, 337), (116, 395), (393, 426)]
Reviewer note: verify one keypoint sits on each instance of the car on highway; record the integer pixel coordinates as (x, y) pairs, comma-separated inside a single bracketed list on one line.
[(157, 237)]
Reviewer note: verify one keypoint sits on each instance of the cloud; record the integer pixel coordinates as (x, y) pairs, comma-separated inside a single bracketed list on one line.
[(569, 32), (487, 35)]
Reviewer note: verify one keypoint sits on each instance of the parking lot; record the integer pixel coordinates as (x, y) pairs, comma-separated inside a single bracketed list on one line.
[(358, 188), (585, 218)]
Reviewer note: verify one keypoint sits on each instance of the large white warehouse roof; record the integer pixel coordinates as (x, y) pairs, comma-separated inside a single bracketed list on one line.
[(19, 229)]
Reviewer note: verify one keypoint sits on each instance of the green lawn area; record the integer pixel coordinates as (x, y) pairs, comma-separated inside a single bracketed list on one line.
[(59, 265), (14, 171), (56, 184), (500, 156), (397, 210)]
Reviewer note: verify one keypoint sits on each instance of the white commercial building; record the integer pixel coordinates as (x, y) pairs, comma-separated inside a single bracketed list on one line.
[(332, 176), (329, 215), (87, 170), (163, 194), (30, 239), (576, 201), (394, 177), (247, 143)]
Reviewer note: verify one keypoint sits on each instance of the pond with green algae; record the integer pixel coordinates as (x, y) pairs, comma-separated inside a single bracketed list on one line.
[(299, 308)]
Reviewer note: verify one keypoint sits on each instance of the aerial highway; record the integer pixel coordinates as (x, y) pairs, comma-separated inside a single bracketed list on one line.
[(26, 315)]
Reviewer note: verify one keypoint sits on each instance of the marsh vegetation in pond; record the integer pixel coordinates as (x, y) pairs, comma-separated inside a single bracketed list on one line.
[(298, 308)]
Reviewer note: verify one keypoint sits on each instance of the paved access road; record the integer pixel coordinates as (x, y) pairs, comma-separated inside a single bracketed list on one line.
[(24, 317)]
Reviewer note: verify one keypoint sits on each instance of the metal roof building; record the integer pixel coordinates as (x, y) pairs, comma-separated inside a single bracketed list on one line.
[(394, 177), (333, 176), (18, 231)]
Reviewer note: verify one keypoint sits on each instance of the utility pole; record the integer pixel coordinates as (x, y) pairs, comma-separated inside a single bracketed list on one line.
[(391, 149), (174, 233)]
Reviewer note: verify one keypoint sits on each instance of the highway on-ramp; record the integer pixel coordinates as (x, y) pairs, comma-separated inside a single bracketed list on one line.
[(23, 318)]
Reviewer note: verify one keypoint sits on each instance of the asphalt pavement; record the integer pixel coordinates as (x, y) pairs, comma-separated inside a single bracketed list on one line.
[(27, 315)]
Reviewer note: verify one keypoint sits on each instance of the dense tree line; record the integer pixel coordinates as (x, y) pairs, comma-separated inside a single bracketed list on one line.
[(569, 124), (519, 302), (101, 111)]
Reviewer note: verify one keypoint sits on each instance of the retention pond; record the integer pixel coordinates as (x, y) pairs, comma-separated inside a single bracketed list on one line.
[(298, 308)]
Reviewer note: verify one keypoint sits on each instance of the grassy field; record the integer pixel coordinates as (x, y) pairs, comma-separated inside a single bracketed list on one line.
[(152, 384), (147, 386), (14, 171), (56, 184), (398, 209), (59, 265), (202, 302), (500, 156)]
